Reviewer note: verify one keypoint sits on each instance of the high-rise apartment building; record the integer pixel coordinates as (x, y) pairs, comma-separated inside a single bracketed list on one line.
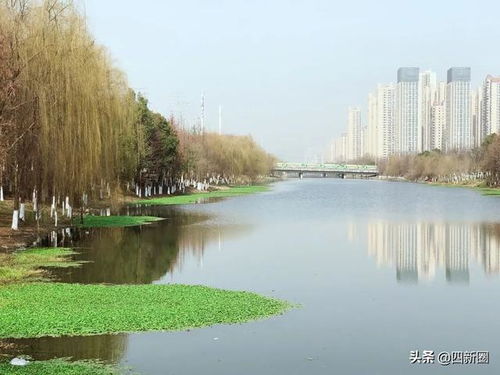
[(372, 127), (490, 108), (438, 120), (385, 97), (438, 117), (426, 99), (340, 148), (354, 133), (406, 111), (458, 110), (418, 114), (478, 127)]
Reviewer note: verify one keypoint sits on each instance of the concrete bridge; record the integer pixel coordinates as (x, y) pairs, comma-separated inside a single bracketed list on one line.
[(325, 170)]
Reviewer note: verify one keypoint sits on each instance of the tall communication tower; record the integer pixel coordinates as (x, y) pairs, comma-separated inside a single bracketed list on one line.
[(202, 118), (220, 119)]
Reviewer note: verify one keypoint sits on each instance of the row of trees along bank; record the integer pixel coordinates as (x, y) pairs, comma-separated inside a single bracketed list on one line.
[(72, 131), (480, 165)]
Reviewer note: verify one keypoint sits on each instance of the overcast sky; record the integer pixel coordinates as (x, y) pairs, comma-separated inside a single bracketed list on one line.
[(285, 71)]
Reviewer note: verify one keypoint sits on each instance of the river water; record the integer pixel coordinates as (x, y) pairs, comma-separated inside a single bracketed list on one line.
[(379, 269)]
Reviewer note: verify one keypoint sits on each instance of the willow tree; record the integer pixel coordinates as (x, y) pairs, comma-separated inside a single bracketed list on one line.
[(73, 110)]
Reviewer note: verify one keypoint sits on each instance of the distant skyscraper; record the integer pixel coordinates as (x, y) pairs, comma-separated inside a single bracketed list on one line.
[(426, 98), (406, 111), (491, 105), (354, 133), (438, 117), (372, 127), (345, 146), (385, 97), (478, 129), (458, 110), (340, 149), (363, 141)]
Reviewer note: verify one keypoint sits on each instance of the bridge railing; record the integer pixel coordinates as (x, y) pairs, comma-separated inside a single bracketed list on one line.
[(326, 167)]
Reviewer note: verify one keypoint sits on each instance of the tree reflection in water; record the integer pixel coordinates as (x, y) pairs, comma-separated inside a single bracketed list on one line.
[(133, 255)]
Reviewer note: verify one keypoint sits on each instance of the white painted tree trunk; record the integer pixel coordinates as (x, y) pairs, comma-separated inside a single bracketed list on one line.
[(55, 218), (108, 212), (1, 193), (53, 206), (22, 211), (15, 220), (63, 209), (69, 211), (54, 238)]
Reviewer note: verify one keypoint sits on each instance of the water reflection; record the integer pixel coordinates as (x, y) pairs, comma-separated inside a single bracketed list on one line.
[(110, 348), (418, 250), (133, 255), (142, 255)]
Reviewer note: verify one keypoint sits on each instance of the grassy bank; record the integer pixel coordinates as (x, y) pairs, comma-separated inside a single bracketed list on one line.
[(31, 265), (58, 367), (114, 221), (479, 187), (197, 197), (54, 309)]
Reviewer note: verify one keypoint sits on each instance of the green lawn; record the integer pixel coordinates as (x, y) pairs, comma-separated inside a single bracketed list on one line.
[(197, 197), (28, 265), (58, 367), (115, 221), (55, 309)]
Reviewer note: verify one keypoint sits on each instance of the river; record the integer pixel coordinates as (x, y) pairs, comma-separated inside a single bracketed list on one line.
[(379, 269)]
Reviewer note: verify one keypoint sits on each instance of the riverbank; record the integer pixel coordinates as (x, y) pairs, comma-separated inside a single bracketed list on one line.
[(29, 230), (32, 306), (224, 192), (479, 186)]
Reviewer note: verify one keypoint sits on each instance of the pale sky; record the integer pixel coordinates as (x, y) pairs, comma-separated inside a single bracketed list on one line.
[(285, 71)]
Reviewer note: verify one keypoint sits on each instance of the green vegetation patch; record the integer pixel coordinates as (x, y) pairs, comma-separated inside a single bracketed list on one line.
[(28, 265), (481, 188), (197, 197), (489, 191), (55, 309), (116, 221), (58, 367)]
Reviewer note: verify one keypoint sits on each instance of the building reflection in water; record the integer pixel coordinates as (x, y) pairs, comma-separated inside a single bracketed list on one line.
[(418, 250)]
